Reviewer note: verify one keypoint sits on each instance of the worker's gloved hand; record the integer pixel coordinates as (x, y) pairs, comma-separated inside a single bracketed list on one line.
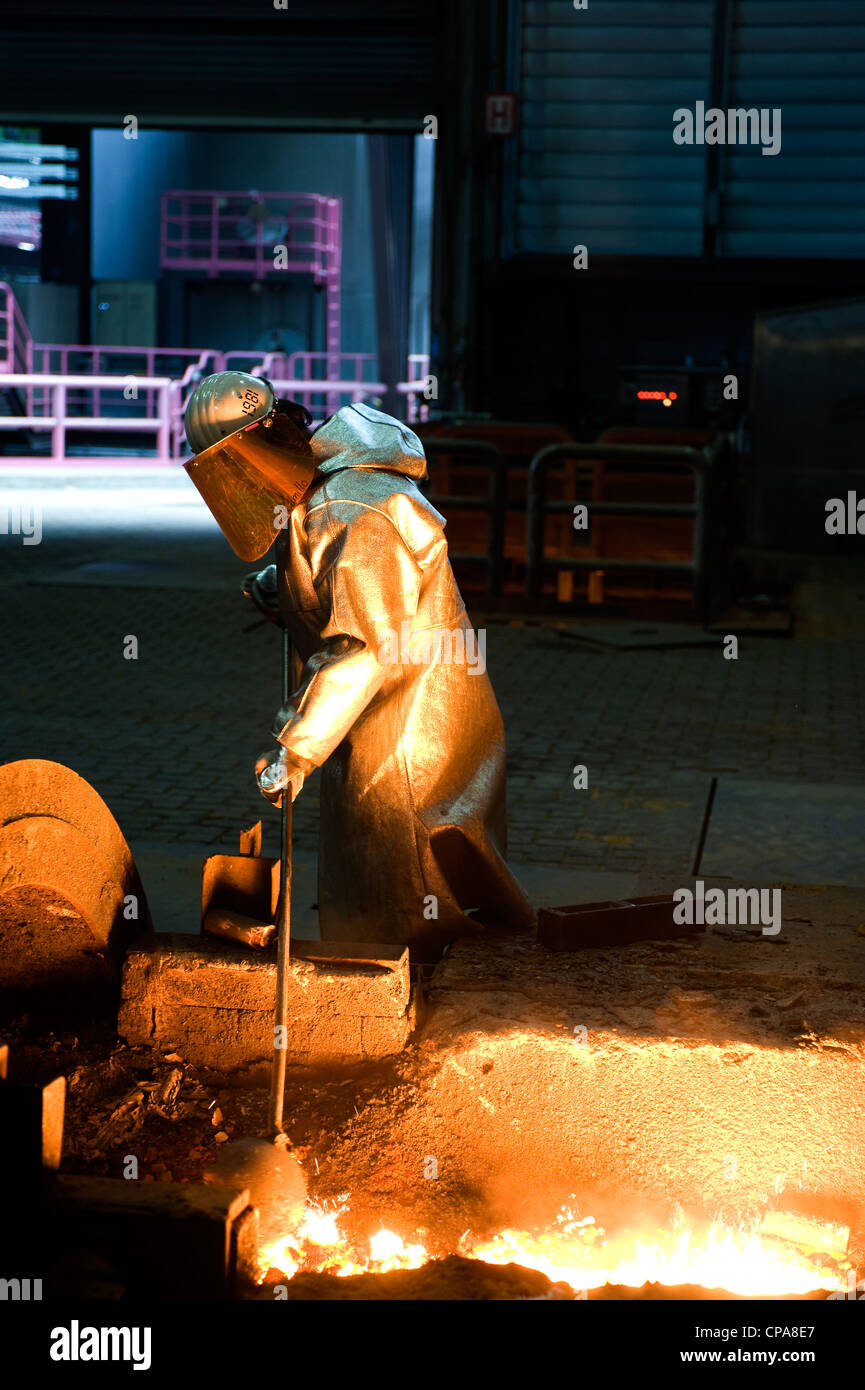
[(274, 771), (262, 587)]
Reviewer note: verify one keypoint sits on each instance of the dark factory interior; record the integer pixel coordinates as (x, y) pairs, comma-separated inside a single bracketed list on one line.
[(433, 591)]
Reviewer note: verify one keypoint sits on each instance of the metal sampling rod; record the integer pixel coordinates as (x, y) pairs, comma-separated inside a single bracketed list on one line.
[(283, 932)]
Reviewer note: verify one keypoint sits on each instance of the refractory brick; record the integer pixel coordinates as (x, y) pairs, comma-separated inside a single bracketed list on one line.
[(215, 1002)]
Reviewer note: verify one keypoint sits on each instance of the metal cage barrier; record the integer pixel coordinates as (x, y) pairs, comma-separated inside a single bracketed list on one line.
[(705, 464), (479, 451)]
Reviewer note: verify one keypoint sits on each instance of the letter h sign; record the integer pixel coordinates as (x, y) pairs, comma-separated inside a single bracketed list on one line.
[(500, 113)]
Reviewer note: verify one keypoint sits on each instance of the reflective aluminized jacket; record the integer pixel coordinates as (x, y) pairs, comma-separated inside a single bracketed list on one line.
[(394, 700)]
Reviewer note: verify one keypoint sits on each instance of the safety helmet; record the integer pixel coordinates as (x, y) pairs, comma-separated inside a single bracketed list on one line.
[(223, 403), (253, 461)]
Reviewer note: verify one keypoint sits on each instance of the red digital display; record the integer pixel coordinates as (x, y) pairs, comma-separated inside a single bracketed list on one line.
[(666, 396)]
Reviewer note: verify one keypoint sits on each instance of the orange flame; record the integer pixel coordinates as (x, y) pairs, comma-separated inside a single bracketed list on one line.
[(735, 1258), (318, 1245), (578, 1252)]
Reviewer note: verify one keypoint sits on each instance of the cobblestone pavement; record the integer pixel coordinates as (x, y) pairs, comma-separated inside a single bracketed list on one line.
[(169, 739)]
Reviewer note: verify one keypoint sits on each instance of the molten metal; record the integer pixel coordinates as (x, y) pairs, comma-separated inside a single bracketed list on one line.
[(735, 1258), (319, 1246), (576, 1251)]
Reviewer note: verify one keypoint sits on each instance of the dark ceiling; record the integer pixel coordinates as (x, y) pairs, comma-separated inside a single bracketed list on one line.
[(324, 63)]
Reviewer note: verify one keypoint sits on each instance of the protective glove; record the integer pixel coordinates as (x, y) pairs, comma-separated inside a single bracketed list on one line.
[(274, 772), (262, 587)]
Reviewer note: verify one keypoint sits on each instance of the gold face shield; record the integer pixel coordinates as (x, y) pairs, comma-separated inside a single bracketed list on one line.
[(252, 480)]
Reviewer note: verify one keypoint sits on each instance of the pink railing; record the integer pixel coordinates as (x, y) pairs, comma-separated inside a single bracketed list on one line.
[(263, 234), (63, 384), (16, 344), (87, 361), (158, 423), (292, 376), (215, 230), (417, 385), (148, 405)]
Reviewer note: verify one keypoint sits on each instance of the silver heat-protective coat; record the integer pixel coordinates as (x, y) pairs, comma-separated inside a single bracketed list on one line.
[(394, 702)]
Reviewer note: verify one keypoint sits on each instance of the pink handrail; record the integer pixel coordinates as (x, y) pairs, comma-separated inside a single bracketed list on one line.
[(16, 344), (157, 397), (418, 371), (89, 359), (58, 392), (198, 231), (199, 226)]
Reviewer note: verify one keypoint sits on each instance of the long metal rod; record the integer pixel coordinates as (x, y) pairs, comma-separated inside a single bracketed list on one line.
[(283, 934)]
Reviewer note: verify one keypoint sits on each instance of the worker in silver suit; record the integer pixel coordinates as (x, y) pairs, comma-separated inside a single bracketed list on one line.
[(393, 701)]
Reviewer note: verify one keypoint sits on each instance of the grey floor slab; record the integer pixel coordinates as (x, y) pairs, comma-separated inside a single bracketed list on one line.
[(786, 832), (553, 886), (631, 635), (122, 574)]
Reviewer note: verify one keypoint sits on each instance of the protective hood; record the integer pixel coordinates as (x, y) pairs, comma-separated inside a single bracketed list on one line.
[(358, 436)]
